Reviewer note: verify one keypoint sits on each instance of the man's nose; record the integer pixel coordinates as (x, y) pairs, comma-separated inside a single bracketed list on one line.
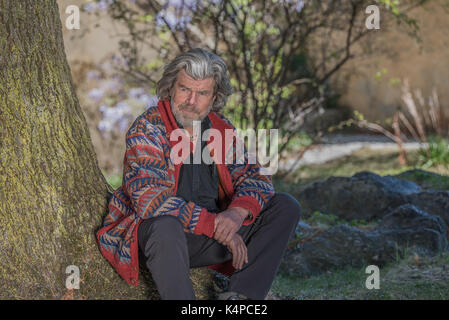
[(191, 99)]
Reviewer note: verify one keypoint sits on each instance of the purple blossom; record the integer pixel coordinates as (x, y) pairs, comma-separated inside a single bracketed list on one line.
[(123, 124), (143, 97), (148, 100), (118, 115), (180, 4), (175, 14), (99, 5), (299, 4), (122, 107), (94, 75), (135, 93), (96, 94), (105, 125), (90, 7), (112, 85)]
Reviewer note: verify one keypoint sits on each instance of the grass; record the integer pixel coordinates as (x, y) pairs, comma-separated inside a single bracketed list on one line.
[(423, 279), (382, 162)]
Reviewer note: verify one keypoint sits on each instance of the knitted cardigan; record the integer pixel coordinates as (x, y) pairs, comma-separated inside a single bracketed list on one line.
[(150, 181)]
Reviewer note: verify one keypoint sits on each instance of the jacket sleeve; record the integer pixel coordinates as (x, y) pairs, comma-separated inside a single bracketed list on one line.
[(149, 181), (252, 189)]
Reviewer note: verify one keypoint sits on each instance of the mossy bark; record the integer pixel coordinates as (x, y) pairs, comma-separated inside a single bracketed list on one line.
[(53, 196)]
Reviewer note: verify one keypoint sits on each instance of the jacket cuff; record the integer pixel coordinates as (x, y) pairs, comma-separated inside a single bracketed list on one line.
[(249, 203), (206, 223)]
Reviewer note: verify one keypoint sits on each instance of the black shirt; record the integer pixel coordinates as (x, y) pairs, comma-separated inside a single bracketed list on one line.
[(199, 182)]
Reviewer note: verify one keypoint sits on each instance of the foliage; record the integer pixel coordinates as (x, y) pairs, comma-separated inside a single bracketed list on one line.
[(322, 218), (330, 220), (280, 53), (114, 181), (437, 153), (419, 119)]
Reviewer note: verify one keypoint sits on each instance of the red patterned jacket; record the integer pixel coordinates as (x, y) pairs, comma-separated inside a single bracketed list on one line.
[(150, 181)]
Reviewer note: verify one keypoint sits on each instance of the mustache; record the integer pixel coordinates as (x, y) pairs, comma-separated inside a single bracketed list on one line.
[(188, 108)]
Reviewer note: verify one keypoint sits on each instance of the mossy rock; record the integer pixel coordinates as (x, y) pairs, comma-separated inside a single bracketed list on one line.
[(425, 179)]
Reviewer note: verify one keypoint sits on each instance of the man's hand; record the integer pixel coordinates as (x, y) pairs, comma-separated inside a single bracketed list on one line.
[(227, 223), (239, 251)]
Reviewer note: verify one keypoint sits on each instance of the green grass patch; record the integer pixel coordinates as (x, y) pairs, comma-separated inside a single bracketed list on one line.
[(437, 153), (382, 162), (320, 219), (411, 278)]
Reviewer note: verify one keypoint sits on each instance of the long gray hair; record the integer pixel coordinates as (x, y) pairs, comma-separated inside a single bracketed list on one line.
[(198, 64)]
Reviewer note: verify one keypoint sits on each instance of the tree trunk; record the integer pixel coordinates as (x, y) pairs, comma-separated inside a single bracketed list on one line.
[(53, 196)]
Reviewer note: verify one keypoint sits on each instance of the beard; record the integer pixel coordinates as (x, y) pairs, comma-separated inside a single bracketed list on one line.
[(186, 119)]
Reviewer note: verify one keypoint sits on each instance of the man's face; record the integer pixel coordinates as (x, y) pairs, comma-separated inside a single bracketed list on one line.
[(191, 99)]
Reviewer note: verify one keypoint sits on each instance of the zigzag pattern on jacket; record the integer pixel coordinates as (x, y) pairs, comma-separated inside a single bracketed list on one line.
[(148, 187)]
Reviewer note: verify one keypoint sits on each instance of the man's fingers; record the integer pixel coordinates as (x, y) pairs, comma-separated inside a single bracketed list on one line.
[(219, 236), (239, 251), (236, 257), (244, 254), (233, 248), (224, 228), (223, 233), (241, 256), (228, 237)]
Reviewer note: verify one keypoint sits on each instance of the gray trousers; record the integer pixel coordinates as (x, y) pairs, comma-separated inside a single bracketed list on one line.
[(170, 252)]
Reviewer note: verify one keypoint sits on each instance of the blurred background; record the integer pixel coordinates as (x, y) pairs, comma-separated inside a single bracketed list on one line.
[(338, 89)]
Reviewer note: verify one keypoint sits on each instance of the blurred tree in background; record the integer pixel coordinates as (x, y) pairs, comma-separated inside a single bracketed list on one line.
[(281, 54)]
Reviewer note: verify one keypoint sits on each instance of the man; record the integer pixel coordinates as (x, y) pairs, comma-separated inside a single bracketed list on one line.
[(184, 214)]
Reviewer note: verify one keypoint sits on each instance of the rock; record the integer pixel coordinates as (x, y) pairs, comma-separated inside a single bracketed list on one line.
[(414, 229), (364, 196), (369, 196), (304, 230), (404, 229), (339, 247), (433, 202)]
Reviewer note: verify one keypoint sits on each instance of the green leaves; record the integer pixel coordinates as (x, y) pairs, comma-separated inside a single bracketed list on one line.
[(437, 153)]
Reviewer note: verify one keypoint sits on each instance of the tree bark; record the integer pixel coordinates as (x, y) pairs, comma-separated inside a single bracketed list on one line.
[(53, 196)]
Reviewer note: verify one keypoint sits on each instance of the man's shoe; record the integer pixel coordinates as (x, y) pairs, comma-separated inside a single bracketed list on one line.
[(231, 295)]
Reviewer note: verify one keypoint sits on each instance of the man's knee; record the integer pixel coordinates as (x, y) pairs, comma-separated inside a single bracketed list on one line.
[(159, 228), (166, 224), (287, 206)]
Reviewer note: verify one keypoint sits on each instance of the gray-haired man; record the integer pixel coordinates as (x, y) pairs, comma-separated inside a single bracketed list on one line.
[(188, 214)]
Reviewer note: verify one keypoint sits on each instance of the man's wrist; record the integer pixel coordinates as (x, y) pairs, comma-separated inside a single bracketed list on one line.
[(243, 212)]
